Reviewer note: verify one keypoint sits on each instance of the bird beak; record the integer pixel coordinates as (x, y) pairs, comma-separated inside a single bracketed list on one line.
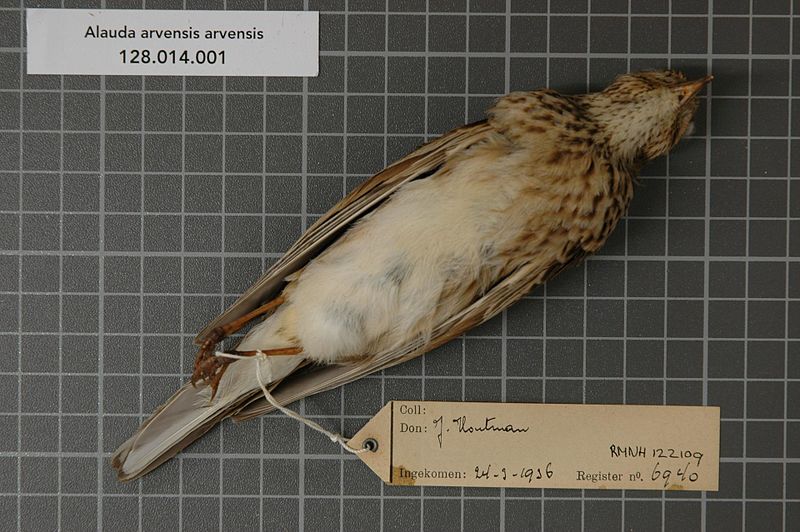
[(688, 89)]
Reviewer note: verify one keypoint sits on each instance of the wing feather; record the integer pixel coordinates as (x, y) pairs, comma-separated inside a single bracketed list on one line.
[(501, 296), (356, 204)]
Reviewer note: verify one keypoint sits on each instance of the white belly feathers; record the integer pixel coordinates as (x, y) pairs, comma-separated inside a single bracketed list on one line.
[(383, 283)]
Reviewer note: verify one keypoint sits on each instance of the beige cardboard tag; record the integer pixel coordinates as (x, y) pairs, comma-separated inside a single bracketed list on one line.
[(515, 445)]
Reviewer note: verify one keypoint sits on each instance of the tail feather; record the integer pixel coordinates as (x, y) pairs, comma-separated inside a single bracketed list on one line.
[(190, 413)]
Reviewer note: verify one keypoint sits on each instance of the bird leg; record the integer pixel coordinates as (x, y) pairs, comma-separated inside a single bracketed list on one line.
[(213, 380), (207, 366), (281, 351)]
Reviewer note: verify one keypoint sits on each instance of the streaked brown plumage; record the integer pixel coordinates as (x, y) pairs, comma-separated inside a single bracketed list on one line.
[(435, 244)]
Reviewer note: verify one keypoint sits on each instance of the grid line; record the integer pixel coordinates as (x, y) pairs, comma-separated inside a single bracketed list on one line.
[(746, 280)]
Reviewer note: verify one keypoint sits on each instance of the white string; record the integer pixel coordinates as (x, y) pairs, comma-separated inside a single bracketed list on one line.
[(334, 437)]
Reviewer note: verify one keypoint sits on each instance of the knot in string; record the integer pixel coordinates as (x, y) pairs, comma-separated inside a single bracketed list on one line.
[(261, 357)]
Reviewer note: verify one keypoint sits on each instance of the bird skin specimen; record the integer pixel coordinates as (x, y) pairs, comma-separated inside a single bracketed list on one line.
[(433, 245)]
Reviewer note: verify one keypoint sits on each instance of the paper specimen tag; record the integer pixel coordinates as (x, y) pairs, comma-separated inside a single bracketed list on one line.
[(175, 43), (515, 445)]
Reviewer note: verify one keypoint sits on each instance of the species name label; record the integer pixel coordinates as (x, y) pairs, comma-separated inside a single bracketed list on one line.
[(515, 445), (172, 43)]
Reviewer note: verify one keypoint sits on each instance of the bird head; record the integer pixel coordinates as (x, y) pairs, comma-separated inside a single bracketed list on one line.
[(644, 114)]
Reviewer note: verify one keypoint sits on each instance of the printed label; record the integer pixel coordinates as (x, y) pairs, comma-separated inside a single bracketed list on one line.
[(173, 43), (513, 445)]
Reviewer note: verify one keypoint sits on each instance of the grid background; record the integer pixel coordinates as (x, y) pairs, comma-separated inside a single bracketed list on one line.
[(134, 209)]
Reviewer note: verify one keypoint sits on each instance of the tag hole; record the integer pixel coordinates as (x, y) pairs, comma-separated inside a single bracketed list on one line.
[(371, 444)]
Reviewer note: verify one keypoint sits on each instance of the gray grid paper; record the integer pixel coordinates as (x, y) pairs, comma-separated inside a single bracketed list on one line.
[(134, 209)]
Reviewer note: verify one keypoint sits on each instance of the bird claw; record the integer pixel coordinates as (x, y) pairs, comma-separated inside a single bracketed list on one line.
[(208, 367)]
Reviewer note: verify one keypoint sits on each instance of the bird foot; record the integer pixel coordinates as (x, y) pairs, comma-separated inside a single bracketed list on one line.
[(208, 367)]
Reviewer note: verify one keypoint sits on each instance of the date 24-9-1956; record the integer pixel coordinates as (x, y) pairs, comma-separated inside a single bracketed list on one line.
[(172, 57)]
